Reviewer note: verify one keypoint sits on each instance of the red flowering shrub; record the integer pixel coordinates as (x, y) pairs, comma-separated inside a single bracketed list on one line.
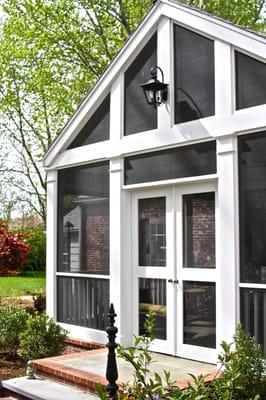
[(13, 249)]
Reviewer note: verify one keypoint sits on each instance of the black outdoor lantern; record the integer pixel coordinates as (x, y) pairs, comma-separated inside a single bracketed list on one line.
[(154, 90)]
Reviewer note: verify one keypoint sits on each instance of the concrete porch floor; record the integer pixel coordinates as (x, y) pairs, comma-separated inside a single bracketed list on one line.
[(88, 368)]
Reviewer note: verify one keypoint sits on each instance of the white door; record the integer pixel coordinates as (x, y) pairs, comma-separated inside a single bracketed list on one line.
[(173, 268)]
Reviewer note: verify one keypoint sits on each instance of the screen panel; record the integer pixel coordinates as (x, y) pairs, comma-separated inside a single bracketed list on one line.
[(83, 219), (199, 230), (181, 162), (250, 81), (252, 205), (253, 314), (97, 129), (83, 302), (139, 116), (152, 297), (194, 75), (199, 313)]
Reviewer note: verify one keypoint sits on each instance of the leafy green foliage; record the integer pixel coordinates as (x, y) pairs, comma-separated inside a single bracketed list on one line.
[(41, 338), (243, 368), (36, 239), (247, 13), (241, 378), (13, 321)]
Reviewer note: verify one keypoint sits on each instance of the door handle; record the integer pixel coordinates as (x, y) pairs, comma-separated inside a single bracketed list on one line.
[(173, 281), (176, 281)]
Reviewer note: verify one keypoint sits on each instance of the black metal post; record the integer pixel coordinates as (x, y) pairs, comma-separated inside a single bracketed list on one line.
[(111, 369)]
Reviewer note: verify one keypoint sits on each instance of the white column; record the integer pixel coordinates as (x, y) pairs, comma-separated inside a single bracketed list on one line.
[(164, 61), (51, 243), (116, 108), (120, 293), (227, 239), (224, 81)]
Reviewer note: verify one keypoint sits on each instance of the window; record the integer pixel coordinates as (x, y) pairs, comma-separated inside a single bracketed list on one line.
[(250, 81), (199, 230), (195, 160), (199, 314), (83, 219), (194, 75), (97, 128), (252, 198), (152, 297), (152, 232), (139, 116)]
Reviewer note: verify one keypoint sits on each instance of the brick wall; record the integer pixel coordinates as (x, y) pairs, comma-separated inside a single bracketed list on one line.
[(96, 239), (202, 231)]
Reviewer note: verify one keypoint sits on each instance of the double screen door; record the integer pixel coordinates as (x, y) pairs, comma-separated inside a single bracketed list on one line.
[(174, 268)]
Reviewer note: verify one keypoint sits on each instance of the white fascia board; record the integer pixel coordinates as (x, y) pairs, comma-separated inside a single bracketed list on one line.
[(216, 27), (133, 46), (241, 122), (205, 24)]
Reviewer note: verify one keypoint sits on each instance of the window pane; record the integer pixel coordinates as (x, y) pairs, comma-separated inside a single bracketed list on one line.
[(139, 116), (253, 314), (97, 128), (199, 314), (199, 159), (250, 81), (152, 232), (252, 198), (199, 230), (152, 297), (83, 302), (83, 219), (194, 75)]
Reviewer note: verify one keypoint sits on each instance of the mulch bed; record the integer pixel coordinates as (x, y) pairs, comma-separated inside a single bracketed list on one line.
[(13, 367)]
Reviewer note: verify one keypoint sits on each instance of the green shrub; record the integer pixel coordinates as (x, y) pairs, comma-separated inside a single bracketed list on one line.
[(243, 368), (241, 379), (37, 240), (39, 301), (13, 321), (41, 338)]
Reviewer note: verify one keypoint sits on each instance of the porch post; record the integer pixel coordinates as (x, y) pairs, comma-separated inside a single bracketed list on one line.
[(227, 238), (120, 293), (51, 242)]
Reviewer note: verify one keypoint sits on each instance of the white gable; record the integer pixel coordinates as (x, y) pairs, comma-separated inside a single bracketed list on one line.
[(202, 23)]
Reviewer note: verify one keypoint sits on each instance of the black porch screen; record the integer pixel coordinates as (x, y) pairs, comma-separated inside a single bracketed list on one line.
[(97, 128), (194, 75), (181, 162), (83, 219), (252, 198), (250, 81), (139, 116)]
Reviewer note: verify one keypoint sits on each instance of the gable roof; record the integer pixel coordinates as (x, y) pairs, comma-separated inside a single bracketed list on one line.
[(241, 38)]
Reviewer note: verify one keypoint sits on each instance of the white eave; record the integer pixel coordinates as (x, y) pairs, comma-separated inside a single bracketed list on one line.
[(216, 28)]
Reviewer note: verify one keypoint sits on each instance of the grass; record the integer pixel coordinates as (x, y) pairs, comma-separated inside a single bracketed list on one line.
[(22, 285)]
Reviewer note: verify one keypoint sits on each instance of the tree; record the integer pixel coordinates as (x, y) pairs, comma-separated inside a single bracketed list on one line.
[(13, 249), (51, 53)]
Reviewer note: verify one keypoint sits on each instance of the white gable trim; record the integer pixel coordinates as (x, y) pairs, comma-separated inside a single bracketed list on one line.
[(215, 28)]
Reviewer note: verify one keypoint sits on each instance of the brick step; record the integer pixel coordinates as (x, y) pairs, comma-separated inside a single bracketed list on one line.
[(53, 368)]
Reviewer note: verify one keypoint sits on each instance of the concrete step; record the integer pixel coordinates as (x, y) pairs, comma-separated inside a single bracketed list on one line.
[(44, 389), (61, 369)]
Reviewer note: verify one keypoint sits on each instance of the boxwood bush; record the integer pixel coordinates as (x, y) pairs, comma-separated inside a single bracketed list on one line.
[(42, 337)]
